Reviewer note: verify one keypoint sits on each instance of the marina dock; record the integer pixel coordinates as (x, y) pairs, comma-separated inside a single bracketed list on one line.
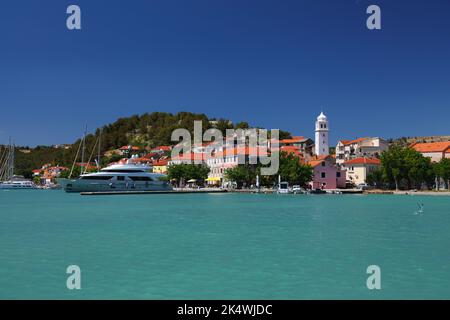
[(110, 193)]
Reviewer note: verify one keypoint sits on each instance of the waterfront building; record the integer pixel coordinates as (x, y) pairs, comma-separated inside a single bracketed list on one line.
[(298, 145), (187, 158), (326, 174), (321, 136), (160, 166), (362, 147), (229, 158), (357, 169), (434, 150)]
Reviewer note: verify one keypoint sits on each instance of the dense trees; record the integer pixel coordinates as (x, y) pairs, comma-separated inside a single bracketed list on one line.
[(290, 170), (243, 175), (149, 129), (403, 168), (442, 170), (182, 173), (406, 168)]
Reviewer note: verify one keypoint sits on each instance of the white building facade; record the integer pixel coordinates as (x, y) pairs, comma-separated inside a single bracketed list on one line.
[(322, 147)]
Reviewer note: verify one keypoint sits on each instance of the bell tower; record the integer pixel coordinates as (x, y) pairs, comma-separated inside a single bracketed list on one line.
[(321, 139)]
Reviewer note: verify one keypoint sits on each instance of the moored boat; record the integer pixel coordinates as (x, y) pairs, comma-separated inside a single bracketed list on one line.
[(8, 180), (118, 178)]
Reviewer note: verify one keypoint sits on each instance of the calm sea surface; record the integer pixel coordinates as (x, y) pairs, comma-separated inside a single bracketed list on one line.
[(223, 246)]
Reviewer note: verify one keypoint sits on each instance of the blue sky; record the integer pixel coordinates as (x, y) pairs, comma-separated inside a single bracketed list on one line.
[(274, 64)]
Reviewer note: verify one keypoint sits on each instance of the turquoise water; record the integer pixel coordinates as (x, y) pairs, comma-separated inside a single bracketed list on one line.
[(223, 246)]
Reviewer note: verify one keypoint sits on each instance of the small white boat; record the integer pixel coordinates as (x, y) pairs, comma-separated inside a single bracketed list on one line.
[(283, 188)]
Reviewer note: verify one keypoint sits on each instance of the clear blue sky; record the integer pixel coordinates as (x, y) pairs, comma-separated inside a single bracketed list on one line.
[(272, 63)]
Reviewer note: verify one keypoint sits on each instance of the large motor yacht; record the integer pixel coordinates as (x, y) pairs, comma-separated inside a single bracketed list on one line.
[(118, 177)]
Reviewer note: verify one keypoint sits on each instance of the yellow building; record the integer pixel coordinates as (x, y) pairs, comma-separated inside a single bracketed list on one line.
[(357, 169), (160, 166)]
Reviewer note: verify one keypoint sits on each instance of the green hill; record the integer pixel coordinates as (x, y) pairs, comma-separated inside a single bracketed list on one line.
[(146, 130)]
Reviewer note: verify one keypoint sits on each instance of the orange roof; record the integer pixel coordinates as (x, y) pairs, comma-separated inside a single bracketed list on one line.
[(363, 160), (242, 151), (143, 159), (162, 162), (314, 162), (291, 149), (432, 147), (190, 156), (128, 147), (85, 165), (293, 140), (347, 142), (163, 148)]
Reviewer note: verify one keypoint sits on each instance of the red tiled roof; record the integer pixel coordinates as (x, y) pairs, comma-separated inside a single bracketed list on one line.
[(314, 162), (190, 156), (163, 148), (143, 159), (363, 160), (432, 147), (295, 139), (241, 151), (134, 148), (150, 155), (348, 142), (85, 165), (162, 162)]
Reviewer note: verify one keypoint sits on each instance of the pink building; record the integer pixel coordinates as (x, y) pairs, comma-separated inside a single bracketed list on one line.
[(327, 175)]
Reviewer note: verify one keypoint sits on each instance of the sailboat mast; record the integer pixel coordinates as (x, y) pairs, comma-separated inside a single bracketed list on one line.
[(83, 169), (11, 167), (99, 149)]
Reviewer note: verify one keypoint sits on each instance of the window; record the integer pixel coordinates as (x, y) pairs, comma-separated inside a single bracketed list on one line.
[(323, 175), (338, 174), (323, 163), (141, 178), (96, 178)]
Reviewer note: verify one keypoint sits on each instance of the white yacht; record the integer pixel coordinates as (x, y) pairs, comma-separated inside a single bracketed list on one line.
[(118, 177), (17, 183)]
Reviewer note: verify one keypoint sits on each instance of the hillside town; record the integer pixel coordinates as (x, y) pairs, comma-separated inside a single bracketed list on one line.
[(351, 164)]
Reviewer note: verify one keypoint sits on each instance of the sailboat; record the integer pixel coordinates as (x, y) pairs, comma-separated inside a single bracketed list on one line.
[(8, 180)]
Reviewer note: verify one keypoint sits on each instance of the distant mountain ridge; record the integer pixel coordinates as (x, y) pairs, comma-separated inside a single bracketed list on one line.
[(405, 141)]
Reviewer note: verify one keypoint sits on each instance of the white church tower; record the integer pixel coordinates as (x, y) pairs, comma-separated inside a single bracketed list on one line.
[(321, 142)]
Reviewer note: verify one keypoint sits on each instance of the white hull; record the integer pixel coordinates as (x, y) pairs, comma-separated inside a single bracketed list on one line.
[(117, 178), (108, 186), (16, 186)]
